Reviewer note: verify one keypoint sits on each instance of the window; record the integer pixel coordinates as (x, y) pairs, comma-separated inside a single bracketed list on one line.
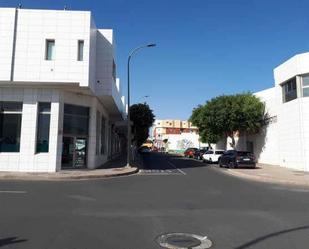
[(76, 119), (219, 152), (305, 86), (289, 90), (50, 50), (80, 50), (209, 152), (97, 146), (114, 70), (103, 135), (43, 124), (10, 126)]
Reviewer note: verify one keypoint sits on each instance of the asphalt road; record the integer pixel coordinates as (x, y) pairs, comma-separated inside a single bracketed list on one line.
[(171, 194)]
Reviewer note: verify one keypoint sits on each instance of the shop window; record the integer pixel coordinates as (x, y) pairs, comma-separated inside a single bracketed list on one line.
[(10, 126), (103, 135), (43, 124), (76, 119), (98, 127)]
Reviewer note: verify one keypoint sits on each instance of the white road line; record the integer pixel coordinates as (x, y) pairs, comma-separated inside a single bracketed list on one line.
[(182, 172), (13, 192)]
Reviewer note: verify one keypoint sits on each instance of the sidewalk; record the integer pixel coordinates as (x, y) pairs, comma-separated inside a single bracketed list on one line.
[(271, 174), (112, 168)]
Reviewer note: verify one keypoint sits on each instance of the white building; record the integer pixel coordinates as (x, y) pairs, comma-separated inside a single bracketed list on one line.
[(59, 95), (284, 140), (180, 134)]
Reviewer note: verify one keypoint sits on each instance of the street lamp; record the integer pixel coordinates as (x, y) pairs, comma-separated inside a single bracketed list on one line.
[(128, 101)]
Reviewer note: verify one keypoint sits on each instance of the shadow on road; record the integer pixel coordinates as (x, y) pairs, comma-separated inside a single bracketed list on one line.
[(162, 161), (10, 241), (271, 235)]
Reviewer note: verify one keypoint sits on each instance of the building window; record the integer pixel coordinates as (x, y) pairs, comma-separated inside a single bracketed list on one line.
[(98, 135), (10, 126), (43, 124), (50, 50), (305, 86), (75, 120), (80, 50), (114, 70), (103, 136), (289, 90)]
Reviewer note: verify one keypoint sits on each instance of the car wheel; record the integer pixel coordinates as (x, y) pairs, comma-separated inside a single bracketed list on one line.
[(220, 164), (231, 165)]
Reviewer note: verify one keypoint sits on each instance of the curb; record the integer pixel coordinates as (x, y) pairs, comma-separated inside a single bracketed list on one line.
[(258, 178), (68, 177)]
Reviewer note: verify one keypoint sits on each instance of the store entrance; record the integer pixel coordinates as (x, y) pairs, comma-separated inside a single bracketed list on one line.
[(74, 152)]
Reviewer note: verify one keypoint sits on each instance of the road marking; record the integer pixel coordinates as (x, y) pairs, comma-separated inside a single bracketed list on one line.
[(157, 172), (181, 171), (13, 192)]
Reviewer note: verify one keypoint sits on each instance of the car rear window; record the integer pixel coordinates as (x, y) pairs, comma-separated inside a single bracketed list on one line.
[(244, 153), (219, 152)]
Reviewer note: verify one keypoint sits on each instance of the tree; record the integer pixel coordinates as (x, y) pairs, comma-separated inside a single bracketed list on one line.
[(142, 117), (228, 114)]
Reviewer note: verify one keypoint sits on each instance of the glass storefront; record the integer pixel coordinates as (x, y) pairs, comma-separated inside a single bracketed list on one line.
[(75, 132)]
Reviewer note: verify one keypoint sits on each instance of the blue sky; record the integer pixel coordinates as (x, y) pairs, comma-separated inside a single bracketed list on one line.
[(204, 47)]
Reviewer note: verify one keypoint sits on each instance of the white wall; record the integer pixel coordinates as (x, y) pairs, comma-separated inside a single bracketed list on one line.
[(297, 65), (174, 140), (66, 28), (7, 19)]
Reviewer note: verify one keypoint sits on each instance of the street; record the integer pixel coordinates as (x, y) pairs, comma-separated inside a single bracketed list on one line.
[(170, 194)]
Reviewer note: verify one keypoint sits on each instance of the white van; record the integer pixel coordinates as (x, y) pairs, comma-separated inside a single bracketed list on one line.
[(212, 156)]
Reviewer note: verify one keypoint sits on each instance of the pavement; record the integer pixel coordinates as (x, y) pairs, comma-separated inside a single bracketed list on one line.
[(169, 194), (270, 174), (113, 168)]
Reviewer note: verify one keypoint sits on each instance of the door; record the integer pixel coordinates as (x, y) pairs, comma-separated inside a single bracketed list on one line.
[(80, 153), (67, 152), (74, 152)]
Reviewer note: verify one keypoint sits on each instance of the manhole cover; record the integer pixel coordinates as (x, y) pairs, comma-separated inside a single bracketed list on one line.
[(183, 241)]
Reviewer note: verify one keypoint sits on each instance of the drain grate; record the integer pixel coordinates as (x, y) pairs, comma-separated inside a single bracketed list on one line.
[(183, 241)]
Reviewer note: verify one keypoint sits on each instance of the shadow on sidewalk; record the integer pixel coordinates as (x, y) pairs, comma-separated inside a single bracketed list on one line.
[(121, 161)]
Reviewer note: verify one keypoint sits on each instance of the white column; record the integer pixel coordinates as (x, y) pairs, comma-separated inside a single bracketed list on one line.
[(91, 154)]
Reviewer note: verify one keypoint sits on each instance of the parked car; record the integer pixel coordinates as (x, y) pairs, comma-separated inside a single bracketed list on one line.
[(144, 149), (198, 154), (212, 156), (234, 159), (190, 152)]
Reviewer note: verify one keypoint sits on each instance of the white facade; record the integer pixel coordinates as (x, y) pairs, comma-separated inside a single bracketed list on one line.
[(285, 140), (28, 77)]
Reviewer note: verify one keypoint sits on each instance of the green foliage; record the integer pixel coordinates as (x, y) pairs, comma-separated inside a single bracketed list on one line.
[(142, 117), (227, 114)]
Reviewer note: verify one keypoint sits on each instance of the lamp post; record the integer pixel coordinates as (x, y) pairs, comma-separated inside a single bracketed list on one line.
[(128, 101)]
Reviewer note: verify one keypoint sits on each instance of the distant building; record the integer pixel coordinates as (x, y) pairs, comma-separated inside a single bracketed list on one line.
[(180, 135)]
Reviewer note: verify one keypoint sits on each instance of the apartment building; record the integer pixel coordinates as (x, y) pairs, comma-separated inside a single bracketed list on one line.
[(284, 140), (179, 134), (59, 95)]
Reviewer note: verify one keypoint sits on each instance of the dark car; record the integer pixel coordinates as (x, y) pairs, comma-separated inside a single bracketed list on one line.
[(190, 152), (198, 154), (234, 159)]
